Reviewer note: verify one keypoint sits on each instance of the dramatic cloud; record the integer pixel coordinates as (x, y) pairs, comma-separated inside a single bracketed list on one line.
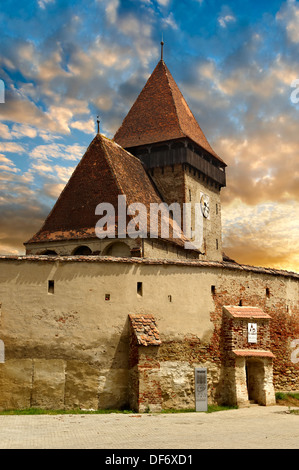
[(63, 66), (50, 151), (267, 236), (224, 20), (44, 3), (289, 15)]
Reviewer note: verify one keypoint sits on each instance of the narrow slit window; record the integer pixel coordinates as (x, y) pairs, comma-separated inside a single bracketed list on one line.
[(170, 298), (267, 292), (213, 290), (51, 287), (139, 289), (107, 297)]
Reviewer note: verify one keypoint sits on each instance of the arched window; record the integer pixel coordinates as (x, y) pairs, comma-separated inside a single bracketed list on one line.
[(82, 250), (119, 249), (49, 253)]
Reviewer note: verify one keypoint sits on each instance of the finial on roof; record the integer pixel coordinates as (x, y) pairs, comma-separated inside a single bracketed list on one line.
[(162, 44), (98, 121)]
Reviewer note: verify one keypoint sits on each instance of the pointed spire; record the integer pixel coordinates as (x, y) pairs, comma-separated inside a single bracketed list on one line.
[(160, 113)]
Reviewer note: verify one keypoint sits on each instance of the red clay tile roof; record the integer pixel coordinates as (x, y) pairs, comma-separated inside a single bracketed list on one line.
[(221, 265), (252, 352), (160, 113), (145, 329), (245, 312), (105, 172)]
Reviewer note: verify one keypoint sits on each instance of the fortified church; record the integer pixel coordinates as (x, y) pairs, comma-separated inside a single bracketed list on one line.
[(124, 321)]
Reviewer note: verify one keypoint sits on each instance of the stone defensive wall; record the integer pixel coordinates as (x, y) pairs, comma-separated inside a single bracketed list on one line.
[(100, 332)]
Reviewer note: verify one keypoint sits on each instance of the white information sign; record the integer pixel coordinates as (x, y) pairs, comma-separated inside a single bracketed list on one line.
[(252, 333), (201, 389)]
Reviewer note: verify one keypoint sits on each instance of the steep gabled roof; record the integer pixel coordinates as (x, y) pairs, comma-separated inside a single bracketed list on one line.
[(105, 171), (160, 113)]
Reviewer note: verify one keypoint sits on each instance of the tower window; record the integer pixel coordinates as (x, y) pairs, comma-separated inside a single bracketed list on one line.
[(213, 290), (51, 287), (217, 245), (139, 289), (107, 296), (267, 292), (189, 194), (216, 209)]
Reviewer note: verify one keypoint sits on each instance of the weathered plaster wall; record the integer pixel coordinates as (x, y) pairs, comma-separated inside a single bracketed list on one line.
[(70, 348), (212, 238), (183, 185)]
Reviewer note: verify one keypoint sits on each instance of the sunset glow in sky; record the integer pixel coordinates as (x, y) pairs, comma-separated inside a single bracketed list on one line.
[(65, 62)]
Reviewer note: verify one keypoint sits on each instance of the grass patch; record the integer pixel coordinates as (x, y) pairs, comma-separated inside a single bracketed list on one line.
[(41, 411), (286, 396), (288, 399), (211, 409)]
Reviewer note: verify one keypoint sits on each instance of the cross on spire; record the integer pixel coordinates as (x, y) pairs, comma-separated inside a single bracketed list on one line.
[(162, 44)]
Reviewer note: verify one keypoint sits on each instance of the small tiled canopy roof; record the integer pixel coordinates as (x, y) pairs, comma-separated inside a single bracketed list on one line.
[(245, 312), (161, 113), (252, 353), (145, 329)]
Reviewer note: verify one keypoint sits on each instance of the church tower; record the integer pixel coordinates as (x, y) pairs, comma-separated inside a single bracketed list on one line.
[(162, 132), (159, 154)]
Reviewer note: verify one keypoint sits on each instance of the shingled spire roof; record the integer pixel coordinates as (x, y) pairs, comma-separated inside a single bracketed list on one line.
[(160, 113), (105, 171)]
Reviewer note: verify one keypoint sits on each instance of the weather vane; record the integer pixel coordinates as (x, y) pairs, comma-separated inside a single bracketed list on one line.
[(98, 121), (162, 44)]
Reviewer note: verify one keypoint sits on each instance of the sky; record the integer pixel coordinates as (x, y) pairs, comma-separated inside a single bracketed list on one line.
[(64, 62)]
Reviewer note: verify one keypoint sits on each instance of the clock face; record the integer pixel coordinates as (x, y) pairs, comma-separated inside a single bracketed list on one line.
[(205, 205)]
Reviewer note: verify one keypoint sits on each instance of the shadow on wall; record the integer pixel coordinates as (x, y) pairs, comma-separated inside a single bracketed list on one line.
[(69, 383)]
